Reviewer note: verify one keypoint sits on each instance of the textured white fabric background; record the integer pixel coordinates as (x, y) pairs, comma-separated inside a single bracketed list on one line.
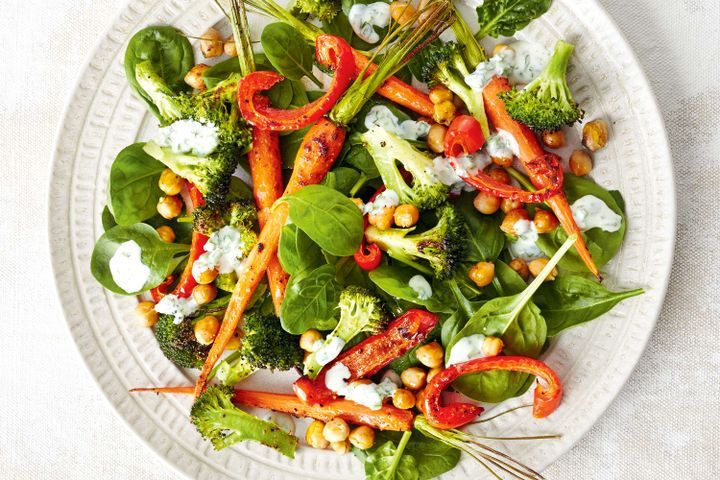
[(54, 423)]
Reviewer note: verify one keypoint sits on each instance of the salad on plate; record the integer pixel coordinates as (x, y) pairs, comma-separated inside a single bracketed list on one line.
[(379, 199)]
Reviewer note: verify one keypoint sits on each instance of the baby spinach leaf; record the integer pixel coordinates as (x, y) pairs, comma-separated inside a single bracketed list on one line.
[(108, 221), (342, 179), (572, 300), (310, 301), (507, 281), (297, 252), (328, 217), (485, 240), (160, 257), (340, 26), (388, 462), (505, 17), (133, 189), (169, 51), (393, 279), (288, 51), (220, 72)]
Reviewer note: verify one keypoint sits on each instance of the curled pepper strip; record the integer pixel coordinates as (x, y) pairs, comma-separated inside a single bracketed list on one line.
[(331, 51), (547, 165), (546, 399), (368, 257), (371, 355)]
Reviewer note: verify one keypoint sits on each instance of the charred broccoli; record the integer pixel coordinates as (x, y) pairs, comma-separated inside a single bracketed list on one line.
[(240, 214), (177, 342), (266, 345), (323, 10)]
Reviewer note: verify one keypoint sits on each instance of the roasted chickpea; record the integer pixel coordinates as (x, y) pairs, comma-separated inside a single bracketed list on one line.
[(314, 435), (580, 163), (194, 77), (234, 342), (212, 43), (206, 276), (170, 183), (230, 47), (206, 329), (595, 135), (507, 205), (444, 112), (403, 399), (167, 234), (482, 273), (402, 12), (545, 221), (360, 381), (431, 355), (436, 137), (520, 267), (203, 294), (554, 139), (309, 339), (336, 430), (420, 399), (502, 161), (146, 313), (413, 378), (383, 219), (432, 372), (499, 174), (169, 207), (360, 204), (362, 437), (511, 218), (486, 203), (439, 94), (536, 266), (491, 347), (341, 448), (406, 215)]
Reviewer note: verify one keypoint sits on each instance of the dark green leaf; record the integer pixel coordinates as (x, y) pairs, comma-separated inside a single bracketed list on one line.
[(505, 17), (297, 252), (288, 51), (310, 301), (342, 179), (108, 221), (485, 239), (393, 279), (387, 463)]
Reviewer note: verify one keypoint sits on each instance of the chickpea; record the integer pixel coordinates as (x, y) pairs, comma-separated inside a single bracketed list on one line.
[(439, 94), (431, 355), (146, 313), (432, 372), (482, 273), (554, 139), (507, 205), (502, 161), (308, 340), (486, 203), (212, 44), (402, 12), (501, 47), (595, 135), (169, 207), (511, 218), (436, 137), (362, 437), (580, 163), (230, 47), (491, 347), (314, 435), (234, 342), (167, 234), (336, 430), (360, 204), (382, 220), (194, 77), (403, 399), (341, 448), (536, 266), (520, 267), (545, 221), (444, 112), (206, 276), (499, 174), (419, 400), (170, 183), (413, 378), (204, 293), (206, 329), (406, 215)]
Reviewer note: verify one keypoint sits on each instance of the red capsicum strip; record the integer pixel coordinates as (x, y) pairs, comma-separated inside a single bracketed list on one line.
[(331, 51), (547, 165), (464, 136), (455, 415), (371, 355), (369, 256)]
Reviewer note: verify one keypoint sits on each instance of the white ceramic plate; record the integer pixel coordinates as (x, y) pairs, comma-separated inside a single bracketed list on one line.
[(593, 361)]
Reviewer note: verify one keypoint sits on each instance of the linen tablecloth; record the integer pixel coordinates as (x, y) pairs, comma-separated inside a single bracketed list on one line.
[(54, 422)]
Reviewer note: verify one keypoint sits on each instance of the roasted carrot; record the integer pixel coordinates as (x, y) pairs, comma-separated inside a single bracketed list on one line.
[(530, 149), (318, 151), (187, 390)]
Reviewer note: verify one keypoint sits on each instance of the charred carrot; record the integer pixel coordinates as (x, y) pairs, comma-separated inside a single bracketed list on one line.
[(530, 149)]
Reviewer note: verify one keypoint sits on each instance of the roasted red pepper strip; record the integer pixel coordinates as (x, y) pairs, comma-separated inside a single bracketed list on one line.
[(161, 290), (368, 257), (464, 136), (372, 354), (548, 164), (546, 399), (331, 51)]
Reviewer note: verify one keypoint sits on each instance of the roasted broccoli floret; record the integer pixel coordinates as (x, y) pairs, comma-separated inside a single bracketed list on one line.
[(323, 10), (218, 420), (266, 345), (178, 343), (546, 103), (360, 312), (441, 247), (240, 214), (388, 150)]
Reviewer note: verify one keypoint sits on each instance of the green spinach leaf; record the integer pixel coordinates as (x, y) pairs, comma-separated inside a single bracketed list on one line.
[(388, 462), (108, 221), (485, 239), (288, 51), (394, 280), (342, 179), (297, 252), (310, 301), (505, 17)]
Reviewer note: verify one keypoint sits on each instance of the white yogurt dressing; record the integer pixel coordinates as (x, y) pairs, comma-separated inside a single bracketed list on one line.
[(224, 250), (467, 348), (381, 116), (127, 269), (467, 164), (387, 198), (521, 64), (178, 307), (502, 145), (591, 212), (525, 247), (189, 136), (329, 350), (370, 395), (421, 287), (364, 18)]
